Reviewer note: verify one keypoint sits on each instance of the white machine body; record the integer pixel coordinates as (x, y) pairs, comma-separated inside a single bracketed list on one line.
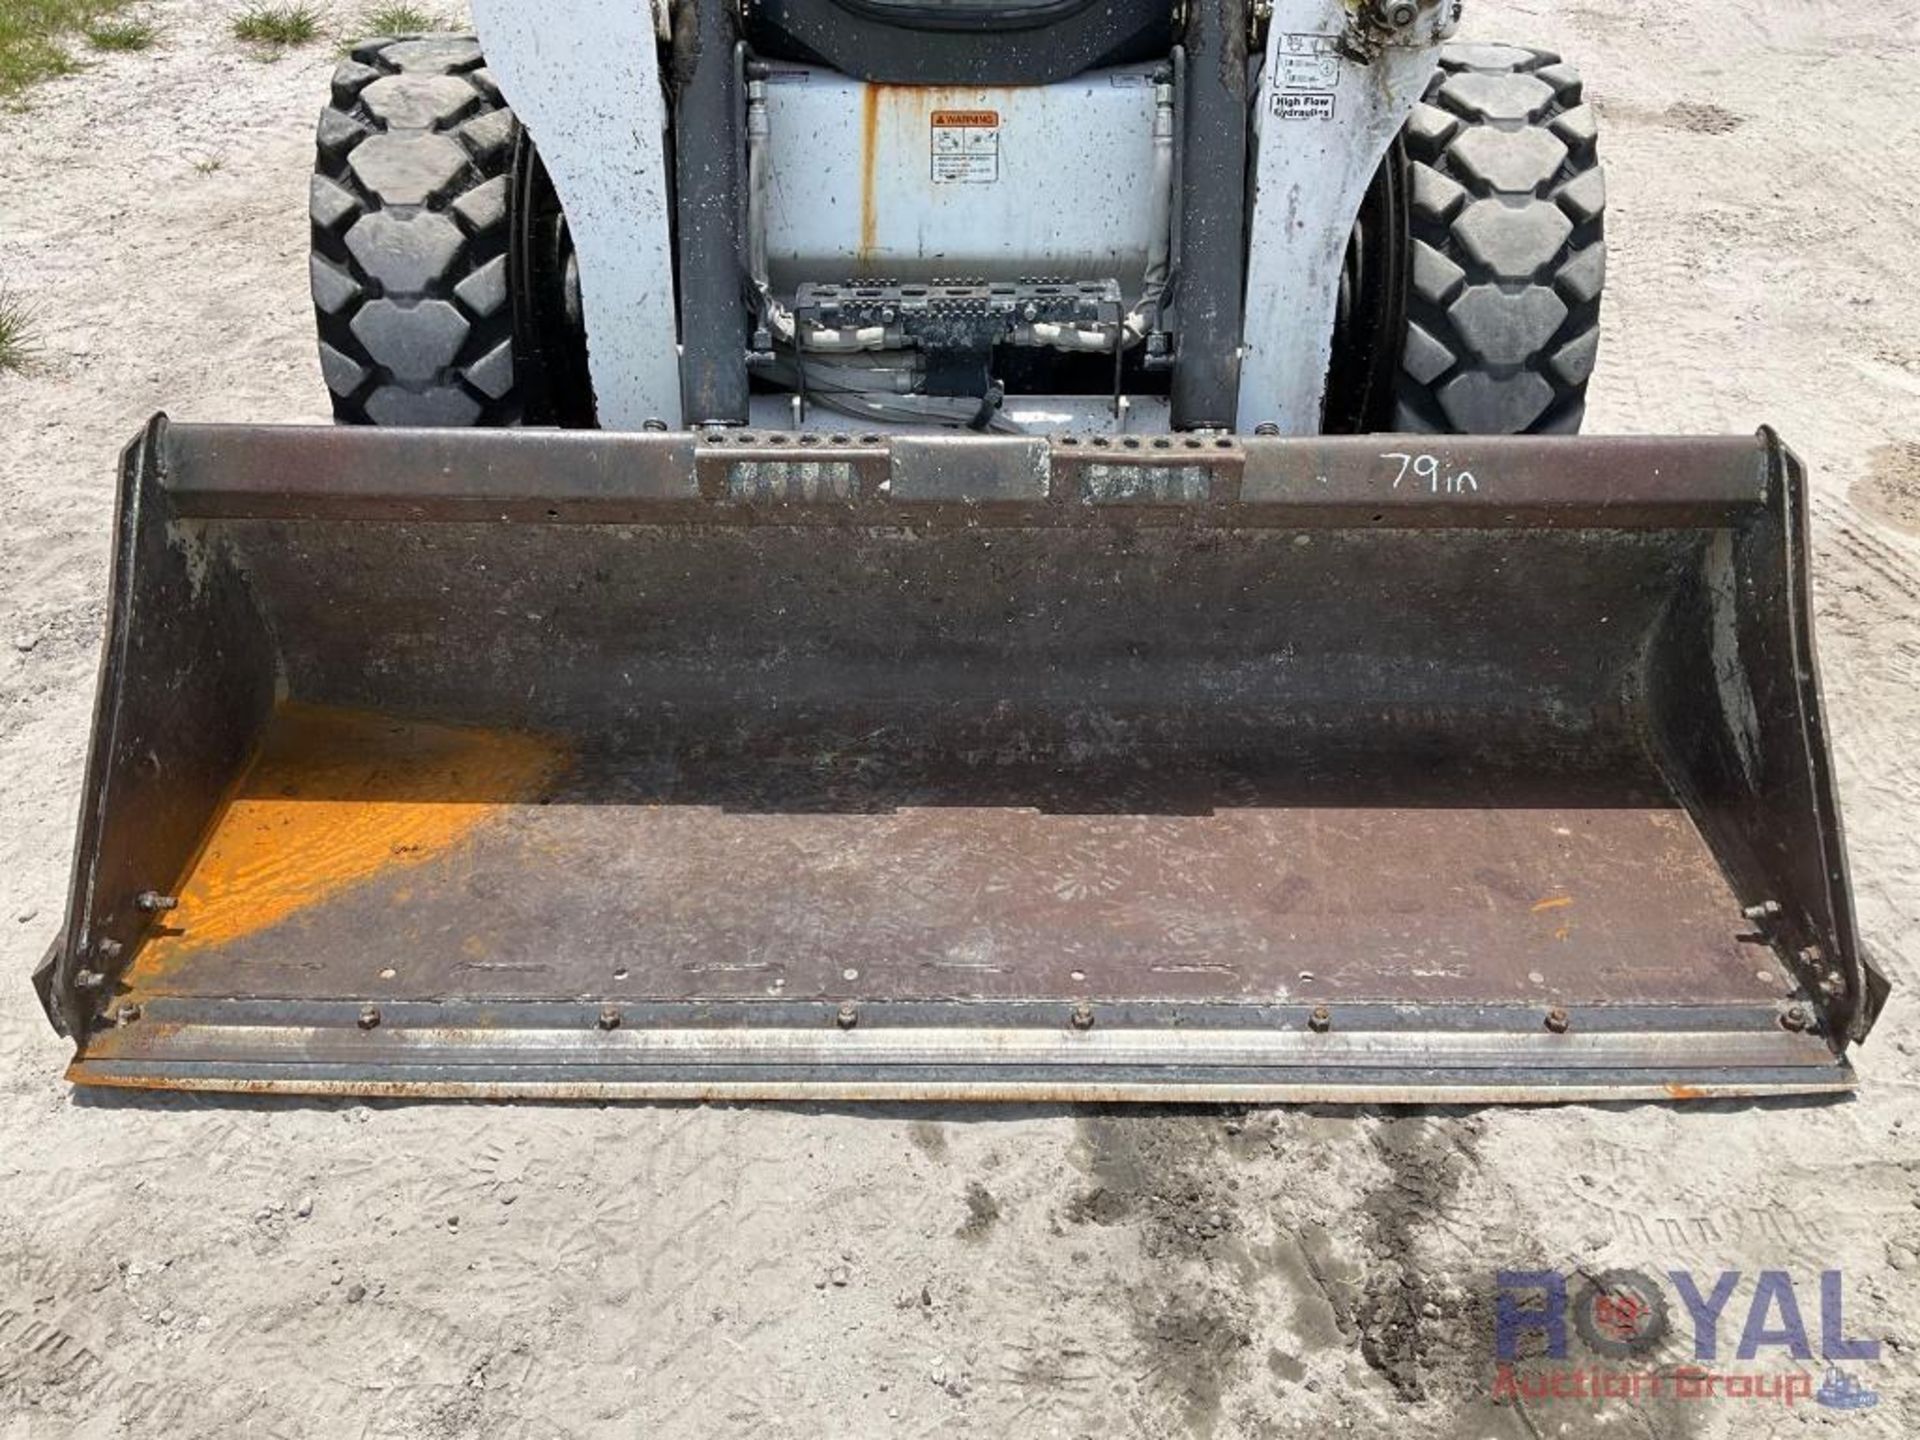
[(920, 183)]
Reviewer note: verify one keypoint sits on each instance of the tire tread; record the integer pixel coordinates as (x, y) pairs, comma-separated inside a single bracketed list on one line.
[(409, 234), (1510, 129)]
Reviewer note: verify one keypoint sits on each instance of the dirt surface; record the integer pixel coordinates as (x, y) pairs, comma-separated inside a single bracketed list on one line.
[(176, 1266)]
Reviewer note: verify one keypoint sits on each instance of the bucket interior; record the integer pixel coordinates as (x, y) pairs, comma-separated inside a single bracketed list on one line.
[(749, 762)]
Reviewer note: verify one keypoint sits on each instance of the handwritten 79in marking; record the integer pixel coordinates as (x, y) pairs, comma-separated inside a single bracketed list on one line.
[(1427, 470)]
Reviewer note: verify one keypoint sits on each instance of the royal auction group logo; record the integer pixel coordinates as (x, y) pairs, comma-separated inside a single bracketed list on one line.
[(1624, 1318)]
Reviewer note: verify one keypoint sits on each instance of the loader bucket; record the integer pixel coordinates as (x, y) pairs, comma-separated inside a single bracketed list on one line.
[(782, 765)]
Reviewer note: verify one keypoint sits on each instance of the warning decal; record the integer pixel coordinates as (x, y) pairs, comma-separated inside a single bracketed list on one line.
[(966, 146), (1306, 77), (1308, 62)]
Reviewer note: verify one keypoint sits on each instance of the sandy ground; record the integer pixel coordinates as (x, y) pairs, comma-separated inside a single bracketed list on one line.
[(173, 1266)]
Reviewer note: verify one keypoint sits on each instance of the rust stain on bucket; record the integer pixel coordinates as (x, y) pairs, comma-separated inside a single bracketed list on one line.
[(333, 798)]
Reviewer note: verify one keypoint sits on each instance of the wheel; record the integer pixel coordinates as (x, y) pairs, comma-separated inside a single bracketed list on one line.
[(1505, 260), (411, 219)]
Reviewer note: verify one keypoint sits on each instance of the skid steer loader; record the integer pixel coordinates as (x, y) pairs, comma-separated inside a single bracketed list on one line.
[(959, 549)]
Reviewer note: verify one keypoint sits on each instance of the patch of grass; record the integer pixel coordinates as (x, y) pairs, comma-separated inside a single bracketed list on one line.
[(121, 35), (17, 344), (400, 20), (277, 25), (31, 36)]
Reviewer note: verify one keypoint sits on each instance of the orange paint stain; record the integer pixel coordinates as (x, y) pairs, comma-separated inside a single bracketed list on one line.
[(335, 797), (1552, 902), (1685, 1092)]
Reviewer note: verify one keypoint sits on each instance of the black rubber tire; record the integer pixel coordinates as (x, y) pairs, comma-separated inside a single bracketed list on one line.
[(409, 206), (1507, 203)]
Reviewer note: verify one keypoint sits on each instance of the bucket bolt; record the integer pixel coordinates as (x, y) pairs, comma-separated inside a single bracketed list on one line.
[(153, 901), (847, 1017), (1082, 1017), (1763, 912), (610, 1017), (1320, 1020), (1795, 1017), (1557, 1020), (369, 1016), (126, 1014)]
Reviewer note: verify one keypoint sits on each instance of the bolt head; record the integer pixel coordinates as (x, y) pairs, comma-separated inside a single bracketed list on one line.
[(1794, 1017), (127, 1014), (610, 1017), (848, 1017), (1082, 1016), (1320, 1020), (1558, 1020), (369, 1016)]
